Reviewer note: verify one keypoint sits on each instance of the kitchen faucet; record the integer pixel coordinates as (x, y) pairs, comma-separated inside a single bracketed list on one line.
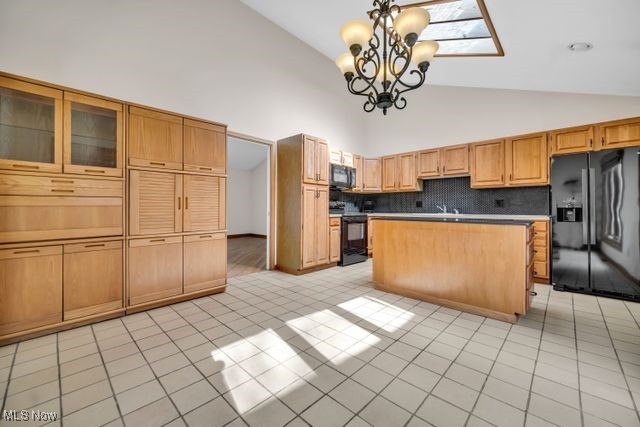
[(442, 208)]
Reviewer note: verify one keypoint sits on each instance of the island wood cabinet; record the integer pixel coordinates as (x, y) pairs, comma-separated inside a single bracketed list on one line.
[(335, 238), (30, 287), (155, 269), (487, 164), (515, 162), (619, 133), (205, 261), (93, 278), (315, 166), (372, 175), (572, 140), (93, 136), (166, 202), (31, 121), (205, 147), (399, 173), (542, 247)]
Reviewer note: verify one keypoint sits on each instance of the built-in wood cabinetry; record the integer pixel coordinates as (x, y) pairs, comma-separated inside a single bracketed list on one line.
[(619, 133), (315, 167), (399, 173), (359, 167), (64, 256), (205, 147), (93, 278), (372, 175), (155, 139), (527, 160), (370, 237), (303, 209), (541, 249), (30, 126), (455, 160), (429, 163), (515, 162), (572, 140), (30, 288), (93, 136), (487, 164), (335, 237)]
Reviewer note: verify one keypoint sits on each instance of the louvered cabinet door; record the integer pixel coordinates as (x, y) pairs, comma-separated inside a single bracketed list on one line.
[(155, 203), (204, 208)]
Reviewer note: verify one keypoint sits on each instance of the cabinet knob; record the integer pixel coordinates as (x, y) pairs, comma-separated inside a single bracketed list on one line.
[(533, 293)]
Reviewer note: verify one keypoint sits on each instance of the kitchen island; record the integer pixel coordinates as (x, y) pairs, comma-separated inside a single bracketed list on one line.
[(479, 265)]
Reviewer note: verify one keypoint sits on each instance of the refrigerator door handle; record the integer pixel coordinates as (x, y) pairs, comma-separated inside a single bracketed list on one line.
[(592, 205), (585, 197)]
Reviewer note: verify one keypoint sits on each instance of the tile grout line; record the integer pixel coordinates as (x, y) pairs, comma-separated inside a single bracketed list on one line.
[(6, 393)]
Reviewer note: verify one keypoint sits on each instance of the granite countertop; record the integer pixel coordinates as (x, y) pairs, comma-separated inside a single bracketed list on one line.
[(464, 216), (459, 219)]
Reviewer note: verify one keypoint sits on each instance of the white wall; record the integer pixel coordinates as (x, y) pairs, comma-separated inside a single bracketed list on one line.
[(218, 60), (443, 115), (247, 200)]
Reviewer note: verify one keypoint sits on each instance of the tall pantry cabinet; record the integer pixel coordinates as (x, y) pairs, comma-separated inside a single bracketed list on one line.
[(105, 208), (303, 205), (177, 208)]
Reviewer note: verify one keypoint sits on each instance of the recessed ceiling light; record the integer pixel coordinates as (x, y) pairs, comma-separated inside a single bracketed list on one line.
[(580, 47)]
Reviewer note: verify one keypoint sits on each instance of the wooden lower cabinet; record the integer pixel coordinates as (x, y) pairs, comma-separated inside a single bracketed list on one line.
[(542, 247), (155, 202), (370, 237), (93, 278), (335, 238), (205, 261), (30, 288), (315, 226), (155, 269)]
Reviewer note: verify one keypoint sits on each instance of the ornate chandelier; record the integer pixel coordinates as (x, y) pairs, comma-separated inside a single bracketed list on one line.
[(377, 67)]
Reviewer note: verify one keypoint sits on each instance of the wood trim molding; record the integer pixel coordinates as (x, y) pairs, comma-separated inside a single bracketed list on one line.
[(238, 236)]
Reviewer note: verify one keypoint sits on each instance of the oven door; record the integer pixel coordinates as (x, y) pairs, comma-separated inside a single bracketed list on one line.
[(340, 177), (354, 234)]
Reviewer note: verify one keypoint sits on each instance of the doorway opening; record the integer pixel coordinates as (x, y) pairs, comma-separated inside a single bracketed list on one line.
[(249, 194)]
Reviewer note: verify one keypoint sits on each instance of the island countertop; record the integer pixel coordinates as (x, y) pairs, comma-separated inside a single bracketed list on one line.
[(463, 219)]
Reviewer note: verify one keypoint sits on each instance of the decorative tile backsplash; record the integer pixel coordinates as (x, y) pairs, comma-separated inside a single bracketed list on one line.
[(456, 193)]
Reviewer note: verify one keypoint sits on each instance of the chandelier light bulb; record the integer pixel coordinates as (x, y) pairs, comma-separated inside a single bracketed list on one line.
[(410, 23), (356, 34), (423, 52), (345, 63)]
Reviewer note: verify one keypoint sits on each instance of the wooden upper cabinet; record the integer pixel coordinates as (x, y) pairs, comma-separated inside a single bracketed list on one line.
[(429, 163), (155, 269), (389, 173), (371, 175), (93, 278), (358, 166), (30, 288), (205, 261), (205, 147), (155, 139), (455, 160), (407, 177), (93, 136), (30, 127), (527, 160), (620, 133), (573, 140), (315, 161), (204, 203), (487, 164), (155, 202)]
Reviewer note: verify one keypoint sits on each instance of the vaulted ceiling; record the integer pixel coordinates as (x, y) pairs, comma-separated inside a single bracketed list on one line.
[(535, 35)]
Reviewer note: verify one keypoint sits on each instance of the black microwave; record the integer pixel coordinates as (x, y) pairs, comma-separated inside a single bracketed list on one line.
[(342, 177)]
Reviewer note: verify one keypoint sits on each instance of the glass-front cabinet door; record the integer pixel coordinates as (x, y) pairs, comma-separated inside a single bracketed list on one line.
[(30, 127), (93, 135)]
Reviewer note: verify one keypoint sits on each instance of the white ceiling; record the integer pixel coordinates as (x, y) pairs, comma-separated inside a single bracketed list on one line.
[(245, 155), (534, 34)]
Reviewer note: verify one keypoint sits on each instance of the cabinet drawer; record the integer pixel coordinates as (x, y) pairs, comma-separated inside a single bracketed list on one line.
[(204, 237), (540, 269), (541, 226), (540, 239), (540, 254), (25, 185), (155, 269), (30, 288), (29, 218), (93, 278), (334, 222), (531, 251)]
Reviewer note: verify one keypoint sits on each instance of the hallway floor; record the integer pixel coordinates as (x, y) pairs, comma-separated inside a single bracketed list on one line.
[(246, 255), (328, 349)]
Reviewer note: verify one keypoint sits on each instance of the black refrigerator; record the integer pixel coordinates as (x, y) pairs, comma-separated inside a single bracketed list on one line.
[(595, 206)]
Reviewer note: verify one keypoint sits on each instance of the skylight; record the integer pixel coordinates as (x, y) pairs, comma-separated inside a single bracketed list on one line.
[(462, 27)]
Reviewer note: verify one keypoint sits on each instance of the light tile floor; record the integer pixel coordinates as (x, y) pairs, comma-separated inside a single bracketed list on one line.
[(327, 349)]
